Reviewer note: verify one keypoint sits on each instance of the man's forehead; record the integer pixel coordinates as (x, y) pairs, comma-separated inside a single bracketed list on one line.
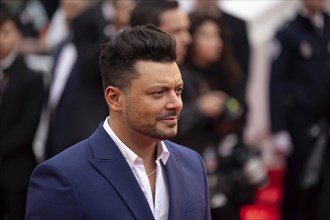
[(157, 71), (148, 65)]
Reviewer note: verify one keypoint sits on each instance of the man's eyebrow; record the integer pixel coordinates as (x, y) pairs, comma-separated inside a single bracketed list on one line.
[(164, 86)]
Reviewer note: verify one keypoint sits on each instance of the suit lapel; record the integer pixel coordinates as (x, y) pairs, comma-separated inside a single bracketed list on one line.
[(111, 164), (174, 174)]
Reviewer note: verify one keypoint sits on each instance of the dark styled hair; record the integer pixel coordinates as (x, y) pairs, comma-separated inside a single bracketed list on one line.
[(149, 11), (141, 43)]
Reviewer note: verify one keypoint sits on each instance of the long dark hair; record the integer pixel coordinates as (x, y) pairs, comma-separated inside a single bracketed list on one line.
[(227, 63)]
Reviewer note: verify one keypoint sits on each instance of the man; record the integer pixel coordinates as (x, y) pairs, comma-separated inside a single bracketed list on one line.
[(168, 16), (299, 95), (125, 170), (21, 98), (200, 108)]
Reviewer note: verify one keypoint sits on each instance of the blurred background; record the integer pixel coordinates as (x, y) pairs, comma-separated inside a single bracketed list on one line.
[(60, 40)]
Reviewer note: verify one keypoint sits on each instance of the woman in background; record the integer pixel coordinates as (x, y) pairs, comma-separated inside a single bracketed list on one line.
[(213, 115), (212, 79)]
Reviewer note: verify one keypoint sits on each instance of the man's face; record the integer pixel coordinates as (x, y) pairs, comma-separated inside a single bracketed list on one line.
[(9, 38), (153, 104), (176, 23)]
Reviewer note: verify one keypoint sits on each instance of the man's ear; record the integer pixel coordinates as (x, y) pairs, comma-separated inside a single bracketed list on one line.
[(113, 96)]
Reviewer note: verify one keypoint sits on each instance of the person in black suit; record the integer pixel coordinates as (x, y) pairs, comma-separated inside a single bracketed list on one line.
[(101, 21), (74, 89), (21, 99), (299, 98), (81, 106)]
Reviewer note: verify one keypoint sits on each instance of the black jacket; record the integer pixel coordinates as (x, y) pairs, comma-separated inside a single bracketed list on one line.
[(20, 112)]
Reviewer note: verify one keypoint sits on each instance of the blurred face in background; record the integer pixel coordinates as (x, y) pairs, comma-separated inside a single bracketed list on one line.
[(206, 3), (207, 43), (316, 6), (10, 38), (176, 23), (123, 13)]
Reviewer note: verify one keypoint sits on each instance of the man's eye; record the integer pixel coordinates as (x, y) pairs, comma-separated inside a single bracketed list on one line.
[(158, 93), (179, 90)]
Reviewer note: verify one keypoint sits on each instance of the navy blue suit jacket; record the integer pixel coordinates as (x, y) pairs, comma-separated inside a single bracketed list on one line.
[(92, 180)]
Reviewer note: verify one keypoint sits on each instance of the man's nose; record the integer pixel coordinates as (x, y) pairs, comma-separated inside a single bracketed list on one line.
[(175, 102)]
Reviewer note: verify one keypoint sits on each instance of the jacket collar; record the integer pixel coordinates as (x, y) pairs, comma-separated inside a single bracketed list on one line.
[(111, 164), (174, 174)]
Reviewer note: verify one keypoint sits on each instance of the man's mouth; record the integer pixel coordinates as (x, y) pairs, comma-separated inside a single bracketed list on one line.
[(170, 118)]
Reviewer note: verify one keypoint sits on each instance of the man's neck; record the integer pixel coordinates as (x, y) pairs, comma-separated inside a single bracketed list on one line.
[(141, 145)]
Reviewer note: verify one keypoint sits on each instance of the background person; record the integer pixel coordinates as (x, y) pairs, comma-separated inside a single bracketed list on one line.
[(214, 114), (299, 98), (168, 16), (236, 30), (21, 99)]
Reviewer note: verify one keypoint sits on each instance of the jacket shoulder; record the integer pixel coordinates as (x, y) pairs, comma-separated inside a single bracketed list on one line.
[(181, 151), (75, 154)]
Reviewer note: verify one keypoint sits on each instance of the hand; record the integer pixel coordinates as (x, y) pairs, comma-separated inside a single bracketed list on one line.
[(282, 143), (212, 104)]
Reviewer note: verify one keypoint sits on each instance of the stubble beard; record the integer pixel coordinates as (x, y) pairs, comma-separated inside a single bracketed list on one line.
[(149, 126)]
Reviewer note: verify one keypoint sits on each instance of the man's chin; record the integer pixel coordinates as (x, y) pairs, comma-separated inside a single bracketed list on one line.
[(167, 135)]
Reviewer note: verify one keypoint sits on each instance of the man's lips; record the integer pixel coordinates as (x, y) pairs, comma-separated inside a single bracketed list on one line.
[(170, 121), (170, 118)]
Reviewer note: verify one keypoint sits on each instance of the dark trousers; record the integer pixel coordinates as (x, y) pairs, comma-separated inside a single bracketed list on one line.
[(323, 205), (299, 203)]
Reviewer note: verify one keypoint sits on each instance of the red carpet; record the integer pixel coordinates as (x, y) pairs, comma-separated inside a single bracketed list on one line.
[(267, 200)]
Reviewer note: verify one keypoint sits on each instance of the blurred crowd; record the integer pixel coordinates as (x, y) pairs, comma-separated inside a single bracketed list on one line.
[(213, 53)]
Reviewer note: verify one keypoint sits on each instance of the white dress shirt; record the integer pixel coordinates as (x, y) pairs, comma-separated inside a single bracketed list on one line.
[(161, 206)]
